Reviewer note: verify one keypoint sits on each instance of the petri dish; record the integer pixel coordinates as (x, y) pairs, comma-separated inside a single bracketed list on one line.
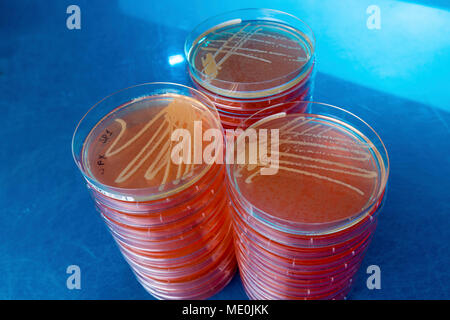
[(168, 218), (303, 227), (250, 59)]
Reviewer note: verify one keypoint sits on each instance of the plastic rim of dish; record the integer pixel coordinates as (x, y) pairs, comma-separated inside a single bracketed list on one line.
[(281, 238), (151, 210)]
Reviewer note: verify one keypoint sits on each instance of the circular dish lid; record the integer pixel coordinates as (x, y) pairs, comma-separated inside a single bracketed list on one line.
[(250, 53), (128, 153)]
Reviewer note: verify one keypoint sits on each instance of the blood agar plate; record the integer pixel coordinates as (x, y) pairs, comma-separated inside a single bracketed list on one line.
[(168, 218), (303, 227), (247, 60)]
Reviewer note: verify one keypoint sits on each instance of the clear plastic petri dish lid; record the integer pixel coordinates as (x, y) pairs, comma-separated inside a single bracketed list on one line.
[(300, 242), (191, 266), (250, 53), (295, 252), (123, 144), (313, 174), (216, 281)]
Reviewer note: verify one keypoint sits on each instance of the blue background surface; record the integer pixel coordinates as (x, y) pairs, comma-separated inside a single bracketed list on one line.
[(396, 78)]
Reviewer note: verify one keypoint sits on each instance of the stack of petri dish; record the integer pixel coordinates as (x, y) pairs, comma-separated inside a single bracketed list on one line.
[(250, 59), (305, 211), (169, 217)]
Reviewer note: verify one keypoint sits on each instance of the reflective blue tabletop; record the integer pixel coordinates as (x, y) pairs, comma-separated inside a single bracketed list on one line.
[(394, 74)]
